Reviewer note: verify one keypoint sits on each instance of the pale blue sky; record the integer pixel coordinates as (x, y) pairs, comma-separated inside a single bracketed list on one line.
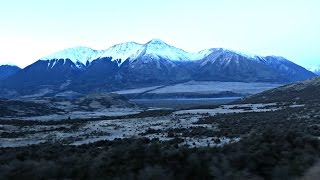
[(31, 29)]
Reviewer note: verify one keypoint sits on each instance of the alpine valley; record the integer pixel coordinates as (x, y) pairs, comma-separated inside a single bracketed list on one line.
[(131, 65), (170, 115)]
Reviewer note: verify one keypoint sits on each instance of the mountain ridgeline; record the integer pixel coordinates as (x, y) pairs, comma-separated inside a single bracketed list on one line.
[(131, 65), (7, 71), (305, 92), (315, 70)]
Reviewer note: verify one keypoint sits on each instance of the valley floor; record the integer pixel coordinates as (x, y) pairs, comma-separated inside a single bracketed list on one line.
[(240, 141), (199, 89), (153, 124)]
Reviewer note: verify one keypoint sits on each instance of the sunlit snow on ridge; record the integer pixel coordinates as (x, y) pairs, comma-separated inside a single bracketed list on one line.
[(154, 49)]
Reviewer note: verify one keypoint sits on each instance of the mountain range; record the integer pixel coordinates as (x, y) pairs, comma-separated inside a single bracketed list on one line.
[(130, 65)]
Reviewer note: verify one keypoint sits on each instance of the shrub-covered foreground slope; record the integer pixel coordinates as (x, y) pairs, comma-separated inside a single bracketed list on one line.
[(269, 155)]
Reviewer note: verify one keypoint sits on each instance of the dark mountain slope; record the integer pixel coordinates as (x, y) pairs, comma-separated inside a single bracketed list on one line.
[(7, 71), (302, 92)]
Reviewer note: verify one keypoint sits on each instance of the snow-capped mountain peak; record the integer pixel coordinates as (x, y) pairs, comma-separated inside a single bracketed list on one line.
[(244, 54), (157, 49), (77, 55), (122, 51), (156, 41), (156, 46), (278, 58)]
